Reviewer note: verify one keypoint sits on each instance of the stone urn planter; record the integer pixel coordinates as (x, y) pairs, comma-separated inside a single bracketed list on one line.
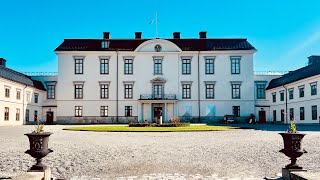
[(38, 147), (292, 146)]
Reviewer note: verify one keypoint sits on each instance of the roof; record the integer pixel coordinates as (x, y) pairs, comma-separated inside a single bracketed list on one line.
[(18, 77), (293, 76), (205, 44)]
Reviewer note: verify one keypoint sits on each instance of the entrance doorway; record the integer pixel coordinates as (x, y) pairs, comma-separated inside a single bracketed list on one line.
[(49, 117), (157, 114), (262, 116)]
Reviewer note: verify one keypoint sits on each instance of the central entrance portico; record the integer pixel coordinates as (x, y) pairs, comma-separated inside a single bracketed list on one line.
[(152, 110)]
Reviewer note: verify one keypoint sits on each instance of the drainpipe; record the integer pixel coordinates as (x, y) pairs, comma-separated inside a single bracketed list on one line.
[(117, 89), (24, 116), (286, 103), (199, 118)]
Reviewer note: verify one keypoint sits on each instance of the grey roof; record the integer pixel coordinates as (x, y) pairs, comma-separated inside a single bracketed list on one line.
[(206, 44), (293, 76), (18, 77)]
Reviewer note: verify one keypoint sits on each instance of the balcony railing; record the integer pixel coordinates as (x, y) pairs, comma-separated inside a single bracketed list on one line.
[(158, 97)]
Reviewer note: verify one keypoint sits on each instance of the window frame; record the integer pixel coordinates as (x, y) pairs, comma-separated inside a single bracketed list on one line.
[(274, 115), (209, 65), (78, 64), (301, 91), (128, 65), (51, 92), (261, 90), (235, 64), (186, 65), (302, 113), (104, 65), (186, 90), (128, 111), (235, 90), (104, 90), (6, 113), (281, 95), (282, 113), (78, 111), (7, 92), (274, 97), (291, 114), (17, 114), (104, 111), (236, 111), (27, 115), (35, 115), (313, 89), (314, 112), (78, 90), (291, 93), (36, 98), (157, 65), (128, 91), (211, 89), (18, 94)]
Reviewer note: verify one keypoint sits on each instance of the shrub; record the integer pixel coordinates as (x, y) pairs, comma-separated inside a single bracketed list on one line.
[(175, 120), (139, 124)]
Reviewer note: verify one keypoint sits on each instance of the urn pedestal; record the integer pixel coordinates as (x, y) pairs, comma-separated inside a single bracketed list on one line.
[(38, 149)]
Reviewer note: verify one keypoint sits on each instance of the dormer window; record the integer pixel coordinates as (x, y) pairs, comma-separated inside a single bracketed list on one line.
[(105, 44)]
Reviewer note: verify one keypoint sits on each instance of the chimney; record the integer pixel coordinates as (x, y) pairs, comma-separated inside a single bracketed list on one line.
[(202, 34), (313, 59), (3, 62), (138, 35), (176, 35), (106, 35)]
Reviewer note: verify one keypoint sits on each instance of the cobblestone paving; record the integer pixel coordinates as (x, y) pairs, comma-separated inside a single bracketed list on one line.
[(175, 176)]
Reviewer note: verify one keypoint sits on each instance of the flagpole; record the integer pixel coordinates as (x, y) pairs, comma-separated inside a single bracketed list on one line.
[(156, 24)]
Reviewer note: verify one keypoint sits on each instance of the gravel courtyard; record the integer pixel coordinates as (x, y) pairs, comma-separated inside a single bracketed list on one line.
[(106, 155)]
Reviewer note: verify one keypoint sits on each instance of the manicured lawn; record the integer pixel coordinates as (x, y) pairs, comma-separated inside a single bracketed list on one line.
[(150, 129)]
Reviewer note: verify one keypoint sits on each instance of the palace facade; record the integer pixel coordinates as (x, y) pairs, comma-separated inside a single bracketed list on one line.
[(135, 80)]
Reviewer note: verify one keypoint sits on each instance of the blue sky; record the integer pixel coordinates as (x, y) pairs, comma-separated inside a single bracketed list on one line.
[(285, 32)]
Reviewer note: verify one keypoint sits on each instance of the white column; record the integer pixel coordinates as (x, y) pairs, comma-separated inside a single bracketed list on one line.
[(150, 112), (142, 118), (165, 112)]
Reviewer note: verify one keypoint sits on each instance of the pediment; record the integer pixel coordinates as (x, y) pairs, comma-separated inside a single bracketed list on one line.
[(158, 80), (154, 44)]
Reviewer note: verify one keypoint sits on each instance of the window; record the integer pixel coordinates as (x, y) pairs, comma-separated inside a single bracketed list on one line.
[(313, 89), (6, 114), (301, 91), (104, 111), (35, 118), (157, 65), (301, 113), (282, 114), (7, 92), (236, 111), (105, 44), (209, 66), (290, 93), (128, 111), (27, 115), (78, 91), (186, 66), (291, 113), (186, 91), (235, 65), (36, 98), (281, 95), (314, 112), (104, 91), (104, 66), (235, 91), (128, 91), (261, 91), (157, 91), (274, 115), (128, 66), (209, 91), (18, 115), (18, 94), (78, 111), (78, 66), (51, 92), (274, 97)]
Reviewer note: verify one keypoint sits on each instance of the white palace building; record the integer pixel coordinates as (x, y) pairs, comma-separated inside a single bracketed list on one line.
[(135, 80)]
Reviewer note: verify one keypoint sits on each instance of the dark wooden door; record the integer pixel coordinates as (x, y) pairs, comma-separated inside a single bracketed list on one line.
[(262, 116), (49, 117)]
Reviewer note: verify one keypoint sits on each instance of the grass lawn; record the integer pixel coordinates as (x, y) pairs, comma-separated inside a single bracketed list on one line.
[(150, 129)]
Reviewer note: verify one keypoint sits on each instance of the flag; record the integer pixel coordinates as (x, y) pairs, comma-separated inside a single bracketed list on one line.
[(151, 22)]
